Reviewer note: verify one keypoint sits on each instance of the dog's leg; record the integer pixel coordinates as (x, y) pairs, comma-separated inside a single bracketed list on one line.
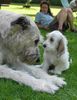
[(41, 74), (25, 78), (1, 58), (60, 68), (44, 66)]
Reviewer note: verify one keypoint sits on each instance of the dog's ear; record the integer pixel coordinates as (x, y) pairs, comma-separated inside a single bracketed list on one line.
[(60, 47), (22, 21)]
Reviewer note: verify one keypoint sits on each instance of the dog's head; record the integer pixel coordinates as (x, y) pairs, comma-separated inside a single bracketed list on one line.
[(55, 42), (21, 37)]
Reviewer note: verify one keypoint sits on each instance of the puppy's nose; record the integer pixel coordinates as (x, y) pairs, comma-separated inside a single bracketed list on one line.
[(44, 45)]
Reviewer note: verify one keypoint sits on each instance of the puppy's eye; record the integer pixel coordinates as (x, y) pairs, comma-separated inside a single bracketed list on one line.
[(51, 39), (36, 41)]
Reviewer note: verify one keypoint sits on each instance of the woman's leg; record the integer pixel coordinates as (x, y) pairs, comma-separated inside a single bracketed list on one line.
[(66, 15), (61, 18), (70, 18)]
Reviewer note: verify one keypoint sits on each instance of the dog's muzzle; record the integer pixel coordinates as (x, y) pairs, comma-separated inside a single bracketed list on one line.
[(32, 59), (31, 56)]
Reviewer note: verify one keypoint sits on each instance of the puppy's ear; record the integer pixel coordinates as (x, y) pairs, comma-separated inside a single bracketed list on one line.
[(22, 21), (60, 47)]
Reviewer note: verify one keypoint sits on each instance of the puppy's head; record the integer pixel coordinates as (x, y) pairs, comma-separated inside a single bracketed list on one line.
[(55, 42)]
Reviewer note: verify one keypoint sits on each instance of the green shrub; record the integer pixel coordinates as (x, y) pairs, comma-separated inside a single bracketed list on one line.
[(53, 2), (19, 1)]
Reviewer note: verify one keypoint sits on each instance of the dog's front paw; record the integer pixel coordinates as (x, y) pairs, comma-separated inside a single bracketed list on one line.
[(45, 86), (58, 81)]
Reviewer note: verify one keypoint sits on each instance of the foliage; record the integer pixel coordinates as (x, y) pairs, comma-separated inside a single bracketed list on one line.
[(57, 3), (27, 4), (19, 1), (24, 1)]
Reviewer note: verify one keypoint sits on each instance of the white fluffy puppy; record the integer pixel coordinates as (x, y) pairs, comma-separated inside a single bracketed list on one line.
[(55, 53)]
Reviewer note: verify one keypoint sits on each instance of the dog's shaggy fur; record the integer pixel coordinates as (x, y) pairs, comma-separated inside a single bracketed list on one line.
[(56, 55), (19, 38)]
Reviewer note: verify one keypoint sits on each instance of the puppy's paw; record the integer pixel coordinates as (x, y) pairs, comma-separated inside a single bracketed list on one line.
[(55, 72)]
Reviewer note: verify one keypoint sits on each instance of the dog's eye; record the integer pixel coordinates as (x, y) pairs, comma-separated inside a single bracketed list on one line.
[(36, 41), (51, 39)]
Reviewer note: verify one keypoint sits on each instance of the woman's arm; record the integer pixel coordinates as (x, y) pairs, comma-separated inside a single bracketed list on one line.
[(43, 27), (65, 3)]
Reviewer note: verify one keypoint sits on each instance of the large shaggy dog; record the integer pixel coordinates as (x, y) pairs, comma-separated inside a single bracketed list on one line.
[(19, 37), (56, 55)]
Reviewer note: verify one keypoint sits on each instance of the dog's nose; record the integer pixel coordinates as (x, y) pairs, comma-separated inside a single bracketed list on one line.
[(44, 45)]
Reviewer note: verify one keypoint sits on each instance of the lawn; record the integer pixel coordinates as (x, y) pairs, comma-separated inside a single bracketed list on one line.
[(10, 90)]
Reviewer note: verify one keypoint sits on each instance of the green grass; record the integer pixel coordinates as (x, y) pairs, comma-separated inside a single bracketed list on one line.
[(10, 90)]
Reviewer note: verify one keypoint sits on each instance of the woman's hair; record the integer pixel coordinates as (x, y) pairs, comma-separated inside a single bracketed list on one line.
[(47, 3)]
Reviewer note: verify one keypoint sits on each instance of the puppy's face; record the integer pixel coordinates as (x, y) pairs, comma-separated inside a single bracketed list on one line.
[(54, 42)]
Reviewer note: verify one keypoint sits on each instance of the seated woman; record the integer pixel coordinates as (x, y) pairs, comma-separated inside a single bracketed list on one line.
[(44, 19)]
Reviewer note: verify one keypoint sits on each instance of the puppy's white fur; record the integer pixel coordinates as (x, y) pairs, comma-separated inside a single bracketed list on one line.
[(56, 52), (17, 48)]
